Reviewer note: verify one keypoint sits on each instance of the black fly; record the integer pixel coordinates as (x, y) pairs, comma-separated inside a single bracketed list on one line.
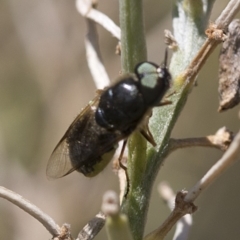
[(116, 112)]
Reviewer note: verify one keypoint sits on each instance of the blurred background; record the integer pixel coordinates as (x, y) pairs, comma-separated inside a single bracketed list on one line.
[(45, 82)]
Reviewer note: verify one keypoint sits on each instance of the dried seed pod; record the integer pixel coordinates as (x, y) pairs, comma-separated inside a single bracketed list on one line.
[(229, 68)]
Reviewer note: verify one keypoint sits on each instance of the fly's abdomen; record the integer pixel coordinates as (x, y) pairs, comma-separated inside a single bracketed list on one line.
[(92, 149)]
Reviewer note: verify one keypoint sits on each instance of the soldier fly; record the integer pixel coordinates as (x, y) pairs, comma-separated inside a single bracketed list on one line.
[(113, 115)]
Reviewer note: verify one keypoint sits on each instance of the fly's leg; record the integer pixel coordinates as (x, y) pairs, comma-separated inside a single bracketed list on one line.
[(164, 103), (124, 167), (165, 100), (144, 130), (146, 133)]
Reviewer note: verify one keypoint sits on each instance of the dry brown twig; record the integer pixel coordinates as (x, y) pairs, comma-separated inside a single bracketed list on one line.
[(184, 224), (220, 140), (181, 208), (169, 40), (212, 41), (228, 158), (184, 200), (230, 155)]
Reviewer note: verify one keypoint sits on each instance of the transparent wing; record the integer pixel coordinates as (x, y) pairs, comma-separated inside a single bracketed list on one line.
[(59, 163)]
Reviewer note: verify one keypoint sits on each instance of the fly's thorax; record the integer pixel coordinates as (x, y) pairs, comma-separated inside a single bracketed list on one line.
[(121, 106)]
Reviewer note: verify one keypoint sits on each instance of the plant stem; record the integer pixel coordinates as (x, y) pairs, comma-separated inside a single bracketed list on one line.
[(133, 44), (144, 161), (133, 51)]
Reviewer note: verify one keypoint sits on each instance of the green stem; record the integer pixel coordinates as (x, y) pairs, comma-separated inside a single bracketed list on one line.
[(189, 21), (133, 51), (133, 43)]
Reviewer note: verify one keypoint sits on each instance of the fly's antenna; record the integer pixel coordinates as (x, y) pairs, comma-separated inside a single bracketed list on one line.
[(165, 57), (164, 63)]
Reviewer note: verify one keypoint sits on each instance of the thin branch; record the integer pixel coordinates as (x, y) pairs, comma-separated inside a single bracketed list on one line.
[(181, 208), (228, 14), (119, 170), (183, 227), (184, 224), (94, 58), (184, 198), (93, 53), (31, 209), (221, 23), (85, 8), (170, 41), (92, 228), (220, 140), (229, 157)]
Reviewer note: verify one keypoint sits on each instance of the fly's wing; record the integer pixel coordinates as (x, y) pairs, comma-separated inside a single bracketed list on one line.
[(59, 164)]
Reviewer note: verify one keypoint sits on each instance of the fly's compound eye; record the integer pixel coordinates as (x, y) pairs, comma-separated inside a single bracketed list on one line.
[(153, 80), (147, 74)]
